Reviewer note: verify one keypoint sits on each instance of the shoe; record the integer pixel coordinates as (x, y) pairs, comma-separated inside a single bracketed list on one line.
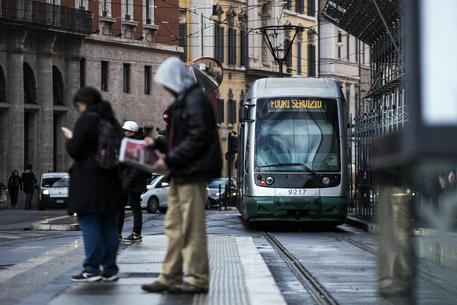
[(186, 288), (110, 278), (133, 238), (155, 287), (86, 277)]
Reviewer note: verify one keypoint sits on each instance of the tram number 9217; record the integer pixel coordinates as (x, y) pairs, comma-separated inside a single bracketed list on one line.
[(296, 192)]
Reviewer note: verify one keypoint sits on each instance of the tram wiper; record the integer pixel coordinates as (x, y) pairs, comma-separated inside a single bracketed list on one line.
[(290, 164)]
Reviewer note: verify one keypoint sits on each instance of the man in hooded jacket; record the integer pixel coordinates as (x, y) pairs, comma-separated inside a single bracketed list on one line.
[(193, 157)]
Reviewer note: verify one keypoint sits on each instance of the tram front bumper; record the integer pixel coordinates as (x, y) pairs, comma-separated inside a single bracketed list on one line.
[(296, 208)]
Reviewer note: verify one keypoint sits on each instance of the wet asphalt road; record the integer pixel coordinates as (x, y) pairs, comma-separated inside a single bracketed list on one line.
[(346, 271)]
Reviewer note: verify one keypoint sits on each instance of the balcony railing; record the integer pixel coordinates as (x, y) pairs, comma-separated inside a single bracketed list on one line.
[(46, 15)]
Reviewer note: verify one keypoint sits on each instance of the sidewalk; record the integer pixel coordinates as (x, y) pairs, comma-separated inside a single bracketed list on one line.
[(239, 276)]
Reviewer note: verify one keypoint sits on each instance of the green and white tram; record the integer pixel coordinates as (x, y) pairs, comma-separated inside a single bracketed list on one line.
[(292, 163)]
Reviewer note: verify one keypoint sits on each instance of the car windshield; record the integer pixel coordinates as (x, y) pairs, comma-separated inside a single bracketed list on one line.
[(214, 184), (296, 135), (55, 182)]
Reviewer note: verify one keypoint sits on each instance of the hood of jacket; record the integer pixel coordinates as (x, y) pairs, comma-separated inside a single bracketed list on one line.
[(174, 75)]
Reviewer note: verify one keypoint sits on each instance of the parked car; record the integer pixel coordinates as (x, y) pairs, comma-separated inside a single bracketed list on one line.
[(53, 190), (217, 192), (156, 197)]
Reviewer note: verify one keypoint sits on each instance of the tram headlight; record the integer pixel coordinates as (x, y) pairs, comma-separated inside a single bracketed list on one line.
[(270, 180), (326, 181)]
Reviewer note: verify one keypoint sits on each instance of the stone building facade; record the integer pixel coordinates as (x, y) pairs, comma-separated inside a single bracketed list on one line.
[(49, 49)]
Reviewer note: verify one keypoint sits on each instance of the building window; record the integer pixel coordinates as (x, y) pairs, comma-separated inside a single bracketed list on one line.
[(219, 43), (182, 41), (363, 54), (126, 78), (244, 60), (231, 46), (288, 4), (148, 11), (348, 93), (311, 55), (311, 8), (348, 47), (147, 79), (339, 43), (220, 111), (81, 4), (231, 111), (299, 57), (104, 75), (82, 72), (287, 47), (127, 10), (357, 50), (300, 6), (105, 8)]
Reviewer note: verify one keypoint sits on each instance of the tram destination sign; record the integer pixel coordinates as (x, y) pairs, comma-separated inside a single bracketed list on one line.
[(295, 104)]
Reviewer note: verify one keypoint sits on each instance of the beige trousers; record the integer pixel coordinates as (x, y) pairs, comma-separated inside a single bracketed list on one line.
[(186, 232)]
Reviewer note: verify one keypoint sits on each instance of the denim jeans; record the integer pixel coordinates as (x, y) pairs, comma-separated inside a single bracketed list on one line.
[(134, 200), (100, 242), (28, 200)]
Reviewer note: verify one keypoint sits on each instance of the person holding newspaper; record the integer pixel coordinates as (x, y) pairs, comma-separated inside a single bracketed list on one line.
[(134, 184), (192, 157)]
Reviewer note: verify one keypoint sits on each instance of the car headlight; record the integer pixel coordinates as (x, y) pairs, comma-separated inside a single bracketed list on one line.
[(233, 194), (45, 192)]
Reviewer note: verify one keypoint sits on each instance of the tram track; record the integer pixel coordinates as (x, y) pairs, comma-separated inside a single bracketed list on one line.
[(423, 274), (314, 287)]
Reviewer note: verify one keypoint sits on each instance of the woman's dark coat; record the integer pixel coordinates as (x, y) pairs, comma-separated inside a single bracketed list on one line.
[(92, 189)]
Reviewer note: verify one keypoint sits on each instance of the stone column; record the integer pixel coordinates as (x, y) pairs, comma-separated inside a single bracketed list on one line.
[(15, 96), (46, 101), (72, 83)]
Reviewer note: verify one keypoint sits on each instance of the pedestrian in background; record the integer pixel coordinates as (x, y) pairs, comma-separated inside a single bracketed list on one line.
[(28, 184), (193, 157), (95, 185), (134, 184), (14, 186)]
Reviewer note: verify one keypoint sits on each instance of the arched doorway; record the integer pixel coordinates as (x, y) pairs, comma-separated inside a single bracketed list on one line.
[(2, 86), (29, 85), (57, 86)]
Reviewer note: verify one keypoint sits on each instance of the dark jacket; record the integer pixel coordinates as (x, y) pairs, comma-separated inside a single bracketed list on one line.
[(15, 183), (192, 147), (134, 180), (28, 181), (92, 189)]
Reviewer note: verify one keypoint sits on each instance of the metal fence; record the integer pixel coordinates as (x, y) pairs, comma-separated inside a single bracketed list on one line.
[(46, 15), (381, 112)]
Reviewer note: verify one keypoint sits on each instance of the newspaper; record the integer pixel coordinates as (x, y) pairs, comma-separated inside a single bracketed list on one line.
[(134, 153)]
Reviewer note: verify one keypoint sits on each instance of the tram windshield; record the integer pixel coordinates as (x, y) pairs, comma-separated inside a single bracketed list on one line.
[(297, 135)]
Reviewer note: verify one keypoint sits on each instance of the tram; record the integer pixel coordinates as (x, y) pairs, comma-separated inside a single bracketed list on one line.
[(292, 161)]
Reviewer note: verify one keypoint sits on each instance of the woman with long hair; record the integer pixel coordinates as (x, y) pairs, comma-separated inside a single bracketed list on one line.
[(94, 190), (14, 185)]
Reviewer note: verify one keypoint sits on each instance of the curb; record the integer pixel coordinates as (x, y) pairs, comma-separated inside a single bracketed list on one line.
[(362, 224), (47, 225), (38, 226)]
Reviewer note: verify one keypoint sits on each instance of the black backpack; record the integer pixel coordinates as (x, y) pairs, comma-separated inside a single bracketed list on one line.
[(109, 142)]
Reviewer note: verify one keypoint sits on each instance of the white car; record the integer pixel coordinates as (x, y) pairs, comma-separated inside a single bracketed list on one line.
[(156, 197), (53, 190)]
